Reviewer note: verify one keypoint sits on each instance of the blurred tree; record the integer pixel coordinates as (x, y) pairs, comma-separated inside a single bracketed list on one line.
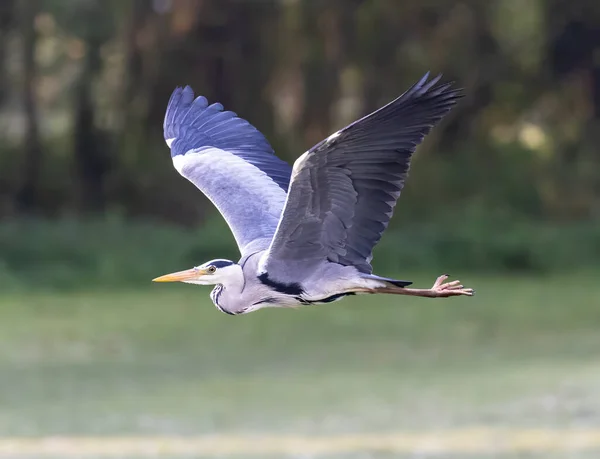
[(524, 137), (32, 157), (7, 11), (91, 143)]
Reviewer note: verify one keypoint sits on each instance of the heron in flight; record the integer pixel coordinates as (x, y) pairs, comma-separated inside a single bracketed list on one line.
[(305, 233)]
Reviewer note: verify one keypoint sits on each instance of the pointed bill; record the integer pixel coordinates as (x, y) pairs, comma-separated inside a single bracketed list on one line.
[(180, 276)]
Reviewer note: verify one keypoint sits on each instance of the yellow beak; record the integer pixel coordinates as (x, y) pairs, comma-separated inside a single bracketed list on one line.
[(180, 276)]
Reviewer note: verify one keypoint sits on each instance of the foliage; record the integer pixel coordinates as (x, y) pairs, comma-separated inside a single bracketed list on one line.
[(488, 244), (111, 253), (82, 117), (68, 253)]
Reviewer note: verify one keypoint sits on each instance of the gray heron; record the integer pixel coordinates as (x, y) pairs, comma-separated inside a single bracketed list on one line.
[(305, 233)]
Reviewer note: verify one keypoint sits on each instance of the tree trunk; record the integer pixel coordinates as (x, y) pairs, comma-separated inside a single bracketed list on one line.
[(26, 195), (7, 8), (90, 154)]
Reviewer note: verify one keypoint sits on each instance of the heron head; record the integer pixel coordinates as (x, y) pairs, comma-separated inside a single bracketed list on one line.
[(210, 273)]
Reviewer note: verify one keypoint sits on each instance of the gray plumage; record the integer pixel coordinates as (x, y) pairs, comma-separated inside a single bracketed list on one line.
[(306, 234)]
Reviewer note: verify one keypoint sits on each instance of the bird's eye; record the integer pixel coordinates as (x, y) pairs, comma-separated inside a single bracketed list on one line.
[(211, 269)]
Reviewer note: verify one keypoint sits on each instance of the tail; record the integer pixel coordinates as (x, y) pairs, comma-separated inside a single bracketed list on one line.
[(392, 283)]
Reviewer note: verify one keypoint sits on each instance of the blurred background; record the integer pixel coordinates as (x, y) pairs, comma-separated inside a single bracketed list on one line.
[(504, 194)]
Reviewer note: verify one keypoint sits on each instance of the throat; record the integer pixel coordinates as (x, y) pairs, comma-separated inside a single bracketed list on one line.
[(215, 296)]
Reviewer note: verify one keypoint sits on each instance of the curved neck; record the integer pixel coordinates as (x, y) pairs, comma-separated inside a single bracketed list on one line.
[(229, 287)]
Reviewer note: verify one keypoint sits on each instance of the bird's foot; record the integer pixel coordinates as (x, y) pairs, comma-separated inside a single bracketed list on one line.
[(442, 289)]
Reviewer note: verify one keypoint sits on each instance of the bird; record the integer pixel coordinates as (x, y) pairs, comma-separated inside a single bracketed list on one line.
[(305, 232)]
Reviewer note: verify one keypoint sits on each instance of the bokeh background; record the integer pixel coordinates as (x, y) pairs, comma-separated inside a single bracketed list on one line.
[(504, 194)]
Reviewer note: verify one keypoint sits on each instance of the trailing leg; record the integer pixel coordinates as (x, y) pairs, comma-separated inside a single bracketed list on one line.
[(440, 289)]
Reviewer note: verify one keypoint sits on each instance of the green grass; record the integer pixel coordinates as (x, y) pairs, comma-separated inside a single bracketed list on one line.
[(524, 352)]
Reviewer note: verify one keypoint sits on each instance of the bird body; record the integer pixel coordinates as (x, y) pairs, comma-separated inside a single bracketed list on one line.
[(306, 234), (241, 287)]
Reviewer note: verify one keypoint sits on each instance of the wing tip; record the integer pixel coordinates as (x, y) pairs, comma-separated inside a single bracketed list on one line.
[(423, 86), (178, 94), (192, 122), (428, 89), (180, 100)]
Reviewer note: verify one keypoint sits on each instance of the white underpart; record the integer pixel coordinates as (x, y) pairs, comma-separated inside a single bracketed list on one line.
[(249, 200), (170, 142)]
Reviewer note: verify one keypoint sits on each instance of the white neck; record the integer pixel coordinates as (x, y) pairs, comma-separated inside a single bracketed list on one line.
[(230, 283), (232, 278)]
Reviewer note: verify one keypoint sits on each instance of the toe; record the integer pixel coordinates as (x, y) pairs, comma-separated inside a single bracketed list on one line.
[(452, 285), (440, 280)]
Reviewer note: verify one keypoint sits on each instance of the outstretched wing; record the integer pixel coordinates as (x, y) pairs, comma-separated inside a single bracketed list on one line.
[(231, 162), (343, 190)]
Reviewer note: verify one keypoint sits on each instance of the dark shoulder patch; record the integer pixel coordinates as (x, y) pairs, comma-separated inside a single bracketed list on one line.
[(329, 299), (293, 289), (336, 297)]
